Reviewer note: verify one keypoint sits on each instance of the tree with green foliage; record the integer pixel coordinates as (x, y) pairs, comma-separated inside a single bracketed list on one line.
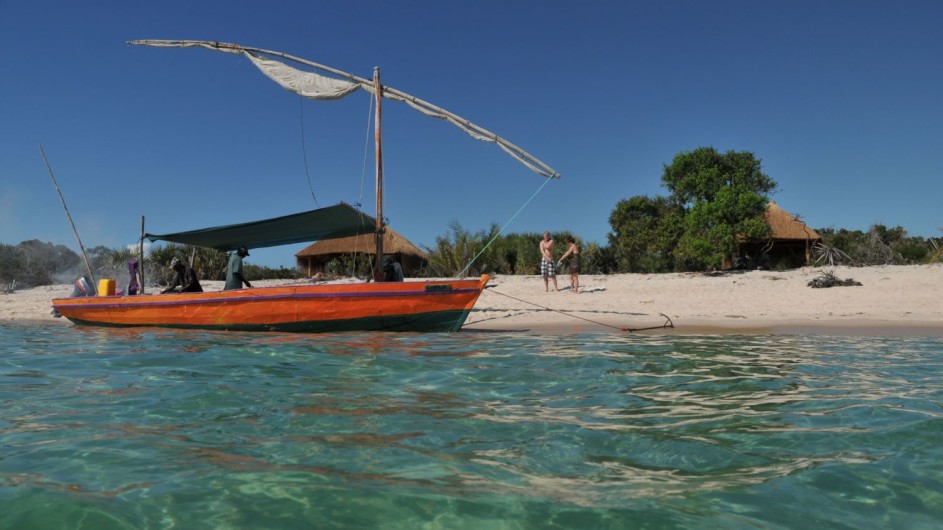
[(506, 254), (934, 250), (34, 262), (208, 263), (454, 251), (515, 254), (594, 259), (724, 196), (715, 201), (880, 245), (645, 231), (111, 262)]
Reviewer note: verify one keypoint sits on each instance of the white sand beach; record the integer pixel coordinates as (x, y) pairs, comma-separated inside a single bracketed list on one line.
[(892, 300)]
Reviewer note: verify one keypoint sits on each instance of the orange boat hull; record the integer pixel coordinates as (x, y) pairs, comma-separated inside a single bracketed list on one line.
[(399, 306)]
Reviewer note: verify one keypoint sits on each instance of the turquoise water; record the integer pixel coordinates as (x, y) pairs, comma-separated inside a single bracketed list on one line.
[(143, 429)]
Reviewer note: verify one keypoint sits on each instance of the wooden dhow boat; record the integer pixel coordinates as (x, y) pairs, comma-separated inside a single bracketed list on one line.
[(424, 306), (420, 306)]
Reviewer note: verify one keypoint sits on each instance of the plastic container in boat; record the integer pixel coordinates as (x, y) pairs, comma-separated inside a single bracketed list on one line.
[(106, 287)]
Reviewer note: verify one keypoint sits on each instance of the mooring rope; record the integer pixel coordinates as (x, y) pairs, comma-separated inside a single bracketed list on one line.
[(668, 323), (462, 273)]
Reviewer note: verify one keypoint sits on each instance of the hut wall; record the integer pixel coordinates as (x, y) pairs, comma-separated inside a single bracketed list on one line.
[(312, 265), (771, 255)]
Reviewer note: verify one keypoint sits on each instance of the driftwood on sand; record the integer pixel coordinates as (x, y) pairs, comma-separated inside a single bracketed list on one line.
[(828, 279)]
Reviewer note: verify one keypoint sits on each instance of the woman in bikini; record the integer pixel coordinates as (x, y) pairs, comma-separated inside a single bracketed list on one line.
[(573, 252)]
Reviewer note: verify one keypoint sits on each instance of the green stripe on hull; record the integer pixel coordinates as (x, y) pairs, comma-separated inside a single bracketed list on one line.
[(425, 322)]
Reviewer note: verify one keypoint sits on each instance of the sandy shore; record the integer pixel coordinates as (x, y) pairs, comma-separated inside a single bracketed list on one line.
[(892, 300)]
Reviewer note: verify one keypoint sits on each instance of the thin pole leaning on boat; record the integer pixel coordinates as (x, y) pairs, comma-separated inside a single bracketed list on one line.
[(88, 266), (420, 105), (141, 254)]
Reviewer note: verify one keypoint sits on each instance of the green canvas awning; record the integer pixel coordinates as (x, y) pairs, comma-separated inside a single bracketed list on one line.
[(332, 222)]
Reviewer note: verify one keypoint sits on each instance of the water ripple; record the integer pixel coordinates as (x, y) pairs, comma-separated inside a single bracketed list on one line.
[(162, 429)]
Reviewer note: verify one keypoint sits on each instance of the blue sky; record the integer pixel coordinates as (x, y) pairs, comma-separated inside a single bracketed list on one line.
[(842, 101)]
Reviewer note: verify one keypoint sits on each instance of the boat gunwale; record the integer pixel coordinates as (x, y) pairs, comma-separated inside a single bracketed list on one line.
[(283, 292), (197, 299)]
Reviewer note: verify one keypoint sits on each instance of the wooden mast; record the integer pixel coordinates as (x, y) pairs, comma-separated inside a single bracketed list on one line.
[(378, 263), (141, 254)]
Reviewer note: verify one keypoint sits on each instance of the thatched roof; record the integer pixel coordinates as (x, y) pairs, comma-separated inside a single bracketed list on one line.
[(393, 243), (786, 225)]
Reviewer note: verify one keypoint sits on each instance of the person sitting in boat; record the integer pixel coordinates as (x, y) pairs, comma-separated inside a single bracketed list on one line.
[(392, 270), (185, 277), (234, 277)]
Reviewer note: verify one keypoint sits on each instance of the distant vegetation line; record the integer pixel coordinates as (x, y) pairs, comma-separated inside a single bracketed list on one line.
[(34, 263), (716, 201)]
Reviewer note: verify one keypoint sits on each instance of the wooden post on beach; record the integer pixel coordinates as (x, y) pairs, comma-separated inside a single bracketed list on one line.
[(141, 254)]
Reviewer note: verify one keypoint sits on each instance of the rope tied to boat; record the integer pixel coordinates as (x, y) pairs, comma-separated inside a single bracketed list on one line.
[(668, 322)]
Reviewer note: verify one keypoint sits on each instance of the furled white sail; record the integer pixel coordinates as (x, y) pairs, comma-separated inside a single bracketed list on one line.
[(316, 86), (307, 84)]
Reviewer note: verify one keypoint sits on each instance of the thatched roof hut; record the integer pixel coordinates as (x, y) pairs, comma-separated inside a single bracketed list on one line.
[(788, 227), (315, 257), (789, 244)]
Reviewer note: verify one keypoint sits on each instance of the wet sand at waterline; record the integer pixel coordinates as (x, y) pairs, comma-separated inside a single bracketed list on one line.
[(891, 300)]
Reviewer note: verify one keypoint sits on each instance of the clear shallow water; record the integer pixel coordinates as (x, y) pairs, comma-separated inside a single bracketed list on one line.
[(106, 429)]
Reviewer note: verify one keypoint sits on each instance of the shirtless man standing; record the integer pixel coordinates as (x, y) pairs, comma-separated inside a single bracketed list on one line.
[(547, 269)]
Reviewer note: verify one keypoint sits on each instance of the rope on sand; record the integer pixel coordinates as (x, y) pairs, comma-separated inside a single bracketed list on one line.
[(668, 323)]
